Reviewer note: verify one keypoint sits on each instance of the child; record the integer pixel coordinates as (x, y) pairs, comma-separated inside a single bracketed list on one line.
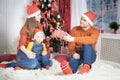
[(38, 47)]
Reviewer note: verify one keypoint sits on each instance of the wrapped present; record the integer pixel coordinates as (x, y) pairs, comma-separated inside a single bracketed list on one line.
[(59, 33)]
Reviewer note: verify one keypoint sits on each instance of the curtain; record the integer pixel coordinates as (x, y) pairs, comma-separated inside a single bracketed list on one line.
[(65, 12)]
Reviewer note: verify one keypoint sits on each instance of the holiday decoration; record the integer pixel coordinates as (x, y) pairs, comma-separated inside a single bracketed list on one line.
[(59, 33), (53, 24), (90, 17)]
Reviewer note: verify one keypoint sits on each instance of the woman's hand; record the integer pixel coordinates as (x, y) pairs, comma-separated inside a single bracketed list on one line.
[(29, 54)]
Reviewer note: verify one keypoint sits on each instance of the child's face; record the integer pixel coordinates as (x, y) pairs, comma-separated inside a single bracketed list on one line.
[(39, 38)]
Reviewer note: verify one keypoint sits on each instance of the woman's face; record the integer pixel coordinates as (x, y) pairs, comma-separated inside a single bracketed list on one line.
[(37, 18)]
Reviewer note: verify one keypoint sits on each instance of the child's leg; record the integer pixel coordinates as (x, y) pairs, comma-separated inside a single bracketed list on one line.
[(46, 61)]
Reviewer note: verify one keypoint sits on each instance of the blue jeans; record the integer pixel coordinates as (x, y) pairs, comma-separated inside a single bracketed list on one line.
[(87, 56), (26, 63)]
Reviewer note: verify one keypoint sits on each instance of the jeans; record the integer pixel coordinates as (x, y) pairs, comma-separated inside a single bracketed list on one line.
[(87, 56), (26, 63)]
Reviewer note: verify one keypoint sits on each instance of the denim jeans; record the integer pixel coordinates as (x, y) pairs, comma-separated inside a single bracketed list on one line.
[(26, 63), (87, 56)]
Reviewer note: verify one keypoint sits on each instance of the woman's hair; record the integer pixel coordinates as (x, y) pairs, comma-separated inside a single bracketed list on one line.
[(31, 24)]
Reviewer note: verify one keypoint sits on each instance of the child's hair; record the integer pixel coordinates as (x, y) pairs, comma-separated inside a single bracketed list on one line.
[(38, 32)]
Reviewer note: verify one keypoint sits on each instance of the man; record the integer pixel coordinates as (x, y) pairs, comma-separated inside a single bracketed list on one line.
[(82, 41)]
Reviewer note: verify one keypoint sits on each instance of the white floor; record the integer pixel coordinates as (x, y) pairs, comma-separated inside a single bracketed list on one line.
[(101, 70)]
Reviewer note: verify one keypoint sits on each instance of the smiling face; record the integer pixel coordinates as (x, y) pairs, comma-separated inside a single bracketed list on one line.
[(37, 17), (84, 24), (39, 37)]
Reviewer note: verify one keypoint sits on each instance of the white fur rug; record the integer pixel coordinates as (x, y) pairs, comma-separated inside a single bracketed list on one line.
[(101, 70)]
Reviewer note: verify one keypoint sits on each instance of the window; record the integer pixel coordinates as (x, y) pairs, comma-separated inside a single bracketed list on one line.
[(106, 11)]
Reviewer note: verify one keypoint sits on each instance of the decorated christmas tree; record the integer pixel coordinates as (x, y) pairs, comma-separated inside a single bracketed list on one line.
[(53, 23)]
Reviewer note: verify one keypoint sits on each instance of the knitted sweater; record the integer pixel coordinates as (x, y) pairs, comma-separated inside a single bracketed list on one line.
[(87, 37), (24, 39)]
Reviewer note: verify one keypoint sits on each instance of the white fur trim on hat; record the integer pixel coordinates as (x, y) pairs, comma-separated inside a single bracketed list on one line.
[(34, 14), (89, 21), (38, 33)]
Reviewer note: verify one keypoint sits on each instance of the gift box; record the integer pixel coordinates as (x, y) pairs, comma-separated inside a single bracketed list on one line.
[(59, 33)]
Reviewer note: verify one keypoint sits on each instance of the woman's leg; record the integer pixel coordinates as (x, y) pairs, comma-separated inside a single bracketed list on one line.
[(46, 61), (23, 61), (21, 56)]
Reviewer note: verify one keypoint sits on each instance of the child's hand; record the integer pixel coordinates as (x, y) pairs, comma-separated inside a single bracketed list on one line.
[(44, 53), (31, 55)]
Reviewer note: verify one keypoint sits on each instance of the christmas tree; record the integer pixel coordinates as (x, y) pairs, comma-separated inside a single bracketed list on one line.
[(52, 21)]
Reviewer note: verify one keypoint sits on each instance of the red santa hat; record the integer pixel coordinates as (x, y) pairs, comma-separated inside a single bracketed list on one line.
[(90, 17), (32, 10), (38, 32)]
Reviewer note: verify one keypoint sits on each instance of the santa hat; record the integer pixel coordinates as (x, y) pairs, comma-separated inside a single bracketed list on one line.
[(37, 32), (90, 17), (32, 10)]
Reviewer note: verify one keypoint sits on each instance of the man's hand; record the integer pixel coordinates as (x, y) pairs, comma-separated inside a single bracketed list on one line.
[(76, 56), (68, 38)]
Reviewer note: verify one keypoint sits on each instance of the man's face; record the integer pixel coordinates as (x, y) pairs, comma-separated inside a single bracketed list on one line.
[(84, 23)]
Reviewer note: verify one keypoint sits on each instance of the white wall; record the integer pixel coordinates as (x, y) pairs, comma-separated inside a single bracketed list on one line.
[(12, 18)]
